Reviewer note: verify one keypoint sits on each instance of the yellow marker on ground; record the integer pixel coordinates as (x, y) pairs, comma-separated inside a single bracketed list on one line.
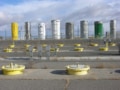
[(26, 46), (77, 69), (106, 48), (54, 49), (93, 44), (44, 45), (13, 69), (11, 46), (79, 49), (60, 45), (77, 45), (8, 50), (112, 44)]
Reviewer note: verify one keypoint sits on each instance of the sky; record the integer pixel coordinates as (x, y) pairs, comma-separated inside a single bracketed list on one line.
[(74, 11)]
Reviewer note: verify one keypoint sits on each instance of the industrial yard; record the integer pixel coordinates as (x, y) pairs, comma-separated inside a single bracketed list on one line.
[(69, 62), (44, 66), (59, 45)]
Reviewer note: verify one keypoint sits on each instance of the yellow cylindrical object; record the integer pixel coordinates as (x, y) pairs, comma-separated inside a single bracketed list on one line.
[(77, 45), (14, 30), (79, 49), (8, 50), (103, 48), (54, 49), (60, 45), (11, 46), (112, 44), (34, 50), (27, 46), (13, 69), (77, 69), (44, 45), (106, 48), (73, 72), (93, 44)]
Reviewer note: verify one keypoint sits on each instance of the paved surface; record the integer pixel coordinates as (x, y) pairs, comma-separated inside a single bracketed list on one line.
[(51, 75), (51, 79), (66, 51), (94, 85), (32, 85), (60, 85), (68, 42), (62, 54), (60, 64)]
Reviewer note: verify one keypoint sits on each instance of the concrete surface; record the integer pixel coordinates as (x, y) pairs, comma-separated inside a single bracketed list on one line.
[(51, 75), (52, 79), (32, 84), (94, 85), (44, 64), (60, 84), (62, 54), (62, 64)]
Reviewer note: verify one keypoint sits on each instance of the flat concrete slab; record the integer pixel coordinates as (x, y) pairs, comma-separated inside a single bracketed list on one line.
[(51, 79), (44, 64), (32, 84), (94, 85), (59, 84)]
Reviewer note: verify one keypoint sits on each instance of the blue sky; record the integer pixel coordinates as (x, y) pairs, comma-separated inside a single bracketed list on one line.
[(13, 2), (66, 10)]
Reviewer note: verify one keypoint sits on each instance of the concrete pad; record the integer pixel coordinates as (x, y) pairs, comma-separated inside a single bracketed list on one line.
[(93, 85), (32, 84)]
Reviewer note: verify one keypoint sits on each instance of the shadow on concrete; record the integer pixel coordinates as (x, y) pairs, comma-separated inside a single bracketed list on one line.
[(107, 54), (1, 72), (59, 72), (19, 58), (117, 71)]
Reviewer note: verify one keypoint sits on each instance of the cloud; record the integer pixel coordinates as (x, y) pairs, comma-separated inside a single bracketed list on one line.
[(65, 10), (98, 11), (44, 9), (102, 11)]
